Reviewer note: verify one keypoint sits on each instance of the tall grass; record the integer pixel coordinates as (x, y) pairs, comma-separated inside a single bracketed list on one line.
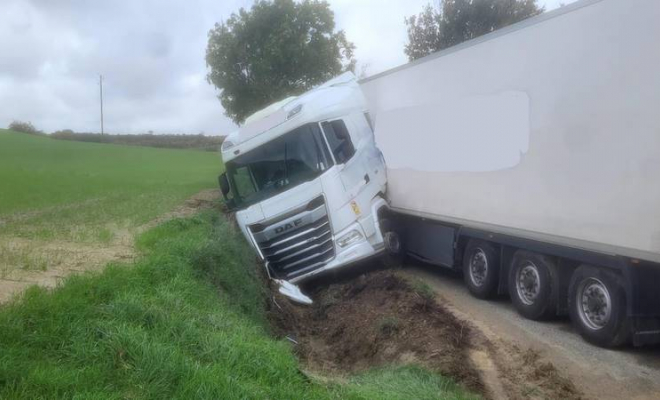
[(186, 321)]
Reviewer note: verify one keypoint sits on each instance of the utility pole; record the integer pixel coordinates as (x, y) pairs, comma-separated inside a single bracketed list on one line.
[(101, 95)]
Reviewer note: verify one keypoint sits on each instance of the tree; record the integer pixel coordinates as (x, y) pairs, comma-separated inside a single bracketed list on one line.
[(276, 49), (459, 20), (24, 127)]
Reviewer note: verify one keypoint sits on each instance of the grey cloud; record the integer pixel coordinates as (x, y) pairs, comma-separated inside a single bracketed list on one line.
[(151, 54)]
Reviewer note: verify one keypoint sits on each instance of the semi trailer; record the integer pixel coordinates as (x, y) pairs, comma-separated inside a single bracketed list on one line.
[(528, 159)]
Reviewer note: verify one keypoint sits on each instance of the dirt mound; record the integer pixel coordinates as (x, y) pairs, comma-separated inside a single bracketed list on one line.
[(381, 318), (375, 320)]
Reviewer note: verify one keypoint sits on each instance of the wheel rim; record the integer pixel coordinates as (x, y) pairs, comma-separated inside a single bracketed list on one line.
[(528, 283), (594, 303), (478, 267), (392, 242)]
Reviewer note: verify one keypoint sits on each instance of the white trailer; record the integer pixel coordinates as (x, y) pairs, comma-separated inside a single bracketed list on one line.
[(530, 158)]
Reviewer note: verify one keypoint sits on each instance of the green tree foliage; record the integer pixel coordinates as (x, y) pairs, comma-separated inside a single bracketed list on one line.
[(276, 49), (456, 21)]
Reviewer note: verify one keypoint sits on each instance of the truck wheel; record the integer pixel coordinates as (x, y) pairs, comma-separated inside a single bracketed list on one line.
[(531, 285), (597, 305), (481, 268), (395, 253)]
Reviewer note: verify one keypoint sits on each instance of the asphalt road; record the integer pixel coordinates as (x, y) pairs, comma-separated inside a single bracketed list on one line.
[(630, 373)]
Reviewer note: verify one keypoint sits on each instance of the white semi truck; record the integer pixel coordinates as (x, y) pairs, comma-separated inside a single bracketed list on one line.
[(307, 180), (528, 158)]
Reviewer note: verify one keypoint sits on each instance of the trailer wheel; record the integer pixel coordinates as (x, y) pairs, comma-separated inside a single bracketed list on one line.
[(395, 253), (531, 285), (481, 268), (597, 305)]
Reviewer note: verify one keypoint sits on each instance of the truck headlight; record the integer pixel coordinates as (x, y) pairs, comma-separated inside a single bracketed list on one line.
[(349, 238)]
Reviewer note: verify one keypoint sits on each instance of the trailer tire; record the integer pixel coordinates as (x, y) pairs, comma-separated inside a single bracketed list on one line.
[(597, 306), (531, 285), (481, 268), (395, 252)]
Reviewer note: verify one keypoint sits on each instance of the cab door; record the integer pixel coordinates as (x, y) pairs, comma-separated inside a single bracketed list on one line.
[(344, 154)]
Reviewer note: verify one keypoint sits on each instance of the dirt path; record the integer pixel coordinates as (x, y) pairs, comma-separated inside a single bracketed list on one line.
[(598, 373), (382, 318), (26, 262)]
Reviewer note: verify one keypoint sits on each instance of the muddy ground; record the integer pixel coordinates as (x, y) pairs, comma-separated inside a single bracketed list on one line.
[(623, 373), (381, 318)]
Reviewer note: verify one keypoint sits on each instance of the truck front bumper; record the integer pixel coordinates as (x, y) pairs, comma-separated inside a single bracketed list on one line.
[(348, 255)]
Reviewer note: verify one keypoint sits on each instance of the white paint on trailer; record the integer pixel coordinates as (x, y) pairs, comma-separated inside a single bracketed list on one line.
[(591, 169), (473, 134)]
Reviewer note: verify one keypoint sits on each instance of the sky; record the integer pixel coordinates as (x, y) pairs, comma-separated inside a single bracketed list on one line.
[(151, 56)]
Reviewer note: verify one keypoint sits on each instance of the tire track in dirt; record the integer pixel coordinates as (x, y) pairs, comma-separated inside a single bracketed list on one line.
[(27, 262)]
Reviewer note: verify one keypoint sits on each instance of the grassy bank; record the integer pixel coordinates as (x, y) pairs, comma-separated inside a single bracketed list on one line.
[(186, 321)]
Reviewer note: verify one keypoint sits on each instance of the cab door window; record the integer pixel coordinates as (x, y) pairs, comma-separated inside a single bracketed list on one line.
[(244, 182), (339, 140)]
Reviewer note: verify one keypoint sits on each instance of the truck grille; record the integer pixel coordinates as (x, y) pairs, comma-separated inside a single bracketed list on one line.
[(297, 242)]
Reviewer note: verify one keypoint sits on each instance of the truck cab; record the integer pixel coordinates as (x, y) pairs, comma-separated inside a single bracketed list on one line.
[(306, 181)]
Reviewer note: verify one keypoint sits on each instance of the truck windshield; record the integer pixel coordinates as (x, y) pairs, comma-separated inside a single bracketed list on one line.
[(296, 157)]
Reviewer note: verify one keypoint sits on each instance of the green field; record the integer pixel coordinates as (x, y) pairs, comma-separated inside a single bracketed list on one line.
[(87, 192)]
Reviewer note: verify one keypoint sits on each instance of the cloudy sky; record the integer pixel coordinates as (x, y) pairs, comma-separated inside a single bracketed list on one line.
[(151, 54)]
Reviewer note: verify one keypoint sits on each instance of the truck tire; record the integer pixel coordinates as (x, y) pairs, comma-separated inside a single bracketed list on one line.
[(597, 306), (531, 285), (481, 268), (395, 253)]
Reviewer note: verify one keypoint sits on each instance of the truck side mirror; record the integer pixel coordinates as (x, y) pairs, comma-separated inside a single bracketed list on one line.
[(224, 184)]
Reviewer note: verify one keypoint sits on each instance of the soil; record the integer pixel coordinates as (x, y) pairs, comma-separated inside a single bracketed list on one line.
[(52, 261), (381, 318)]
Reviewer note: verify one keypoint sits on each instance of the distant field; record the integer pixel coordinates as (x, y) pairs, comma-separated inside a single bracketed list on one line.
[(86, 192)]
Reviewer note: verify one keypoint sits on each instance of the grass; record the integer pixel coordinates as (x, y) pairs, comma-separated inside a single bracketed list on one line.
[(185, 321), (85, 192), (422, 289)]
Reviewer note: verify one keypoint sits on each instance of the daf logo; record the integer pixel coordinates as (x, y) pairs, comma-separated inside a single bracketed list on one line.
[(288, 225)]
